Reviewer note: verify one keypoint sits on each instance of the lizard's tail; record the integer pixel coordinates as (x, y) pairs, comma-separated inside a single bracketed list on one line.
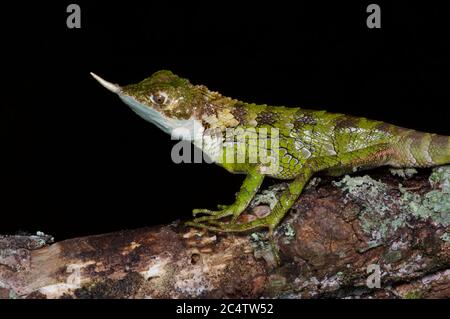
[(417, 149)]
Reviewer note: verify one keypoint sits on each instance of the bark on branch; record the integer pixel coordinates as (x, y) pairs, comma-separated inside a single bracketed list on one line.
[(336, 230)]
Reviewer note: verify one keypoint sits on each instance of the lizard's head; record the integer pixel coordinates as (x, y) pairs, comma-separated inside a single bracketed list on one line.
[(163, 99)]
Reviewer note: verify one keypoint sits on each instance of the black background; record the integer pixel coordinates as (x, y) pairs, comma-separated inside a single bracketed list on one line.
[(76, 161)]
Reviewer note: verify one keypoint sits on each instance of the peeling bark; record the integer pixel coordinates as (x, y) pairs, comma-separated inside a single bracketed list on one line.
[(334, 232)]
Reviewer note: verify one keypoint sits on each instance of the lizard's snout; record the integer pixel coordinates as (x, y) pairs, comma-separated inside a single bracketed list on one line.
[(110, 86)]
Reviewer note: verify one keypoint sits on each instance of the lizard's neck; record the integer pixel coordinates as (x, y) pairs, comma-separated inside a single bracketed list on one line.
[(219, 112)]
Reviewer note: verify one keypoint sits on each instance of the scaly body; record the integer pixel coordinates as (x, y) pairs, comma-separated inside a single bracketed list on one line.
[(308, 141)]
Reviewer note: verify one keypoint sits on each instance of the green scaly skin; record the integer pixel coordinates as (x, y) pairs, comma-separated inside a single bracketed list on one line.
[(309, 142)]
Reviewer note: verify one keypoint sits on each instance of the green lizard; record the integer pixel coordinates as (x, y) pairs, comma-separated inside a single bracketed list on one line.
[(299, 142)]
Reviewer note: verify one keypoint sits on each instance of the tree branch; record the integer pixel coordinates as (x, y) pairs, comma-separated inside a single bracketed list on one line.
[(334, 232)]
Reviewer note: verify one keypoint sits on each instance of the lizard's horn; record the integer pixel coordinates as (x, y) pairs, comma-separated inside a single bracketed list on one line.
[(110, 86)]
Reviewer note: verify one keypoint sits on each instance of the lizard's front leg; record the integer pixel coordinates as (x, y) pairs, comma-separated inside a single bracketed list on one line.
[(249, 188), (285, 202), (367, 156)]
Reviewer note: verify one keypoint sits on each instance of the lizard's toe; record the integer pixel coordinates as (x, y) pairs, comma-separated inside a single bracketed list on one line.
[(214, 215), (203, 211), (200, 225), (215, 225), (224, 210), (208, 219)]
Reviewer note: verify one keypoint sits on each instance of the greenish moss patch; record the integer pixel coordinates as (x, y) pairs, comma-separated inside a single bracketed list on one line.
[(413, 294)]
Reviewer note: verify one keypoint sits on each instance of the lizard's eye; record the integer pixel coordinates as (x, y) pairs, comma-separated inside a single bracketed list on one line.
[(159, 98)]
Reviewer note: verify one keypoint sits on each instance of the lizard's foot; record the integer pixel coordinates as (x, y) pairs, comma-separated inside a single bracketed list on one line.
[(221, 208), (266, 222), (270, 221), (213, 215)]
